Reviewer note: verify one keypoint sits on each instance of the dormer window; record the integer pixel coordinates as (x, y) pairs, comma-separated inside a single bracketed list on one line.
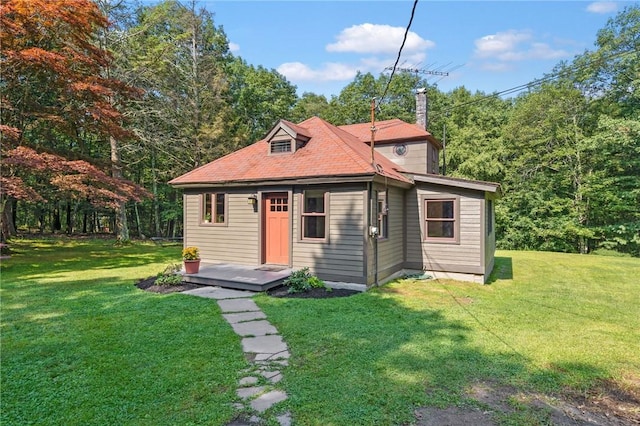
[(286, 138), (278, 147)]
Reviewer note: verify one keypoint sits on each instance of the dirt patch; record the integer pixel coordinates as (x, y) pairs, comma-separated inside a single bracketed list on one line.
[(314, 293), (606, 405), (453, 416)]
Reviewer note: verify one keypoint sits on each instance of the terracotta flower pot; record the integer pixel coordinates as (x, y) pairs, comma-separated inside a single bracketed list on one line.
[(191, 266)]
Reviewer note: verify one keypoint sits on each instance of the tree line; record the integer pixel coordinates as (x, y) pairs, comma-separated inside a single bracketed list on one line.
[(103, 103)]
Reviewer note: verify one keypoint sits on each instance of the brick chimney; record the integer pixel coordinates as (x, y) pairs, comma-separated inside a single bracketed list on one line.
[(422, 114)]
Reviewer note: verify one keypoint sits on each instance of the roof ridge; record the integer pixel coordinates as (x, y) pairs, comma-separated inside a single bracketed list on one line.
[(346, 147), (387, 166)]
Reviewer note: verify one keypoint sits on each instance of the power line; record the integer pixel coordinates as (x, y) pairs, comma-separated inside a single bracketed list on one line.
[(406, 33), (537, 82)]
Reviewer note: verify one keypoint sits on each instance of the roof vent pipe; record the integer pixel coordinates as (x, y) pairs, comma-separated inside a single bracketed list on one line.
[(422, 114)]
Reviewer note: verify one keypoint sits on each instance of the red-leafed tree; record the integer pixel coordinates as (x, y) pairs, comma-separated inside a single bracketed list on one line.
[(58, 106)]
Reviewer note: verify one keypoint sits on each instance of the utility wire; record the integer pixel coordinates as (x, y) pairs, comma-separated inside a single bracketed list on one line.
[(537, 82), (406, 33)]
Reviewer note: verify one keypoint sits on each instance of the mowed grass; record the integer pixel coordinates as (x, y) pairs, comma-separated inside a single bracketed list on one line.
[(547, 323), (82, 345)]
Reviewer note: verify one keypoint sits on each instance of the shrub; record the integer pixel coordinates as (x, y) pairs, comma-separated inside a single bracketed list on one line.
[(302, 280), (169, 276)]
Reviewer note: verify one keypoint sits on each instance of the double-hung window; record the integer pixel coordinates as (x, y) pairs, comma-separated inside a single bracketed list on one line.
[(441, 220), (314, 215), (214, 208)]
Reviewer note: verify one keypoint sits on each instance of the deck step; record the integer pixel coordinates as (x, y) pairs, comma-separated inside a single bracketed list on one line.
[(239, 277)]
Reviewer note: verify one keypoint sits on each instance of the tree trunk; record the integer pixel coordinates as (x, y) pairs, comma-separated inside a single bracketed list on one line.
[(7, 227), (13, 225), (156, 205), (121, 225), (135, 208), (56, 223), (69, 230)]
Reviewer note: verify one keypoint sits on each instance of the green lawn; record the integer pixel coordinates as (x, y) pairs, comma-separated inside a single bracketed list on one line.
[(547, 323), (82, 345)]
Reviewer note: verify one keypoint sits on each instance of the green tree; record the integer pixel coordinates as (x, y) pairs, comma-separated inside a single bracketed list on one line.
[(259, 98), (546, 163), (309, 105), (474, 123)]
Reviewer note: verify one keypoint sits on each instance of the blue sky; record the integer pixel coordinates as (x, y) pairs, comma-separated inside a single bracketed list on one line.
[(489, 46)]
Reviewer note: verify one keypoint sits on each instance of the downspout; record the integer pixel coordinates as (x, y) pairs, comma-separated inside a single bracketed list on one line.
[(373, 234)]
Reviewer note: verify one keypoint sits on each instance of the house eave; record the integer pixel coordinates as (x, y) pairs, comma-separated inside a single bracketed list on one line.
[(429, 138), (476, 185), (313, 180)]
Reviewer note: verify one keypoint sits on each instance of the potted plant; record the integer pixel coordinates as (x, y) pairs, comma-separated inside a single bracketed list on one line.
[(207, 218), (191, 258)]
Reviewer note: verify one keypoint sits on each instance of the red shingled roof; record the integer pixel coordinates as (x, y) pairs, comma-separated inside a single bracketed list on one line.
[(389, 131), (330, 151)]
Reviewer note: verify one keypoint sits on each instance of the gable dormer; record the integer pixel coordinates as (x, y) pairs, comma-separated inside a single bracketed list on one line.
[(286, 138)]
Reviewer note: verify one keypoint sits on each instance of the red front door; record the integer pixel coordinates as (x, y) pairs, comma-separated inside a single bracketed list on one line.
[(276, 228)]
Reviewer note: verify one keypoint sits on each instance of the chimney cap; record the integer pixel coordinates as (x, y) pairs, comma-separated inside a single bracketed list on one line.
[(421, 90)]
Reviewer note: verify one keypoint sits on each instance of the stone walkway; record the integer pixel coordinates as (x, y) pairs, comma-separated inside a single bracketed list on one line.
[(262, 346)]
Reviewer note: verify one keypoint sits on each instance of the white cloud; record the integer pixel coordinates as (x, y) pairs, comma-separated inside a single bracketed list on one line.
[(234, 47), (379, 42), (602, 7), (297, 71), (496, 50), (336, 71), (497, 44), (372, 38)]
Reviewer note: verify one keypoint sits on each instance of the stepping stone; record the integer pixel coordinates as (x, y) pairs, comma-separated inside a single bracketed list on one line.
[(267, 400), (237, 305), (254, 328), (219, 293), (264, 345), (272, 356), (244, 316), (269, 374), (245, 393), (248, 381), (284, 419), (275, 379), (267, 364)]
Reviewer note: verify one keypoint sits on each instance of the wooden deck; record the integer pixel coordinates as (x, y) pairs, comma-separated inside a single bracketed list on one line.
[(240, 277)]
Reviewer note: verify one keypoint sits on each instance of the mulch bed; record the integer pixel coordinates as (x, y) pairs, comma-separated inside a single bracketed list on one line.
[(149, 284)]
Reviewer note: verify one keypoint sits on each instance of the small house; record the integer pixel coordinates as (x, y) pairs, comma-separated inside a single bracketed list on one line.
[(321, 196)]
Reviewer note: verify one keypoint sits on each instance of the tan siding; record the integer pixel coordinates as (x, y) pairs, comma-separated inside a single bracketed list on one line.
[(469, 251), (415, 159), (489, 244), (237, 242), (342, 254), (391, 250)]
